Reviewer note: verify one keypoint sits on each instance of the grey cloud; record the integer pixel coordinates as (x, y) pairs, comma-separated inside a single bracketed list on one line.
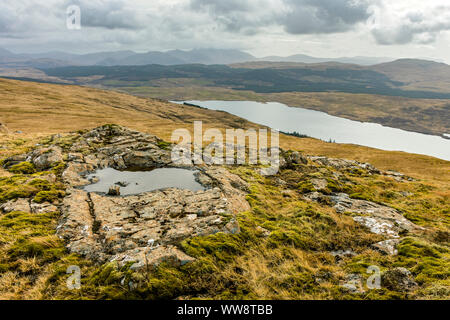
[(7, 20), (245, 24), (238, 15), (108, 14), (295, 16), (21, 17), (221, 7), (414, 27), (324, 16)]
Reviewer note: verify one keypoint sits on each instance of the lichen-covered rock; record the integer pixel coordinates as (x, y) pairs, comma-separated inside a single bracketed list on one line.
[(377, 218), (319, 184), (45, 158), (342, 254), (355, 166), (387, 247), (42, 207), (353, 283), (291, 159), (342, 164), (16, 205), (149, 258), (263, 232), (398, 279)]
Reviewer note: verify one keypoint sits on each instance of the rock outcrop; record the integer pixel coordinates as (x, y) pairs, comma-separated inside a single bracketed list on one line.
[(145, 229), (352, 165), (45, 158), (398, 279), (377, 218), (25, 205)]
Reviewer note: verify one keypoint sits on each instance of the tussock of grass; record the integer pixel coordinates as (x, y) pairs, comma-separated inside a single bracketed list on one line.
[(23, 167)]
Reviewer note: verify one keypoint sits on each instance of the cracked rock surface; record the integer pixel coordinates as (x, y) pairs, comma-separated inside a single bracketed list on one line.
[(145, 229)]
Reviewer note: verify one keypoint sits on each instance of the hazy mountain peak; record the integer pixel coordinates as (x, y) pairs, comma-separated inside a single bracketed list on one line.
[(5, 53)]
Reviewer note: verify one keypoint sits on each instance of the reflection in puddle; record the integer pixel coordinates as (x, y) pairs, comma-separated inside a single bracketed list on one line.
[(135, 182)]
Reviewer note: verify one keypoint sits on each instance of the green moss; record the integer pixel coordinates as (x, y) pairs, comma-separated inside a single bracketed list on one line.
[(361, 196), (48, 196), (41, 184), (23, 167), (40, 225), (306, 187), (66, 142), (427, 261), (19, 186), (30, 236), (165, 283), (32, 248), (293, 237), (299, 282), (336, 186), (58, 168), (15, 187), (164, 145), (358, 172), (19, 142)]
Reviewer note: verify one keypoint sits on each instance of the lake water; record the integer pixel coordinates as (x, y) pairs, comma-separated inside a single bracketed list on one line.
[(320, 125), (135, 182)]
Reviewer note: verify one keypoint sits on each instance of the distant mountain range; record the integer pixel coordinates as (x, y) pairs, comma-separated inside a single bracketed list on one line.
[(123, 58), (301, 58), (173, 57)]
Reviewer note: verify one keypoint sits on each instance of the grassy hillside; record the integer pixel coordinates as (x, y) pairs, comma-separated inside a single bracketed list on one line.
[(417, 74), (293, 262)]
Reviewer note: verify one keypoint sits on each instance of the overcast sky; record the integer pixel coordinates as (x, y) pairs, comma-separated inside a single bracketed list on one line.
[(323, 28)]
